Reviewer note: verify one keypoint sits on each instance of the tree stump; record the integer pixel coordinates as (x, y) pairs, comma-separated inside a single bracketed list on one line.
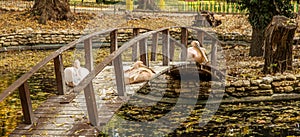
[(205, 19), (278, 44)]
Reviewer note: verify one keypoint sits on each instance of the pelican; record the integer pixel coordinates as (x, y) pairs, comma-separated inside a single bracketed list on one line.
[(197, 53), (138, 73), (74, 74)]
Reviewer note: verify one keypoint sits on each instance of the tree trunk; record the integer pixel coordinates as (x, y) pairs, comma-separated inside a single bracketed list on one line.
[(257, 42), (52, 10), (279, 36)]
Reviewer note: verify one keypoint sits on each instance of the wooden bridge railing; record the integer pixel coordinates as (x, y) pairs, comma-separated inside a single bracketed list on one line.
[(168, 45)]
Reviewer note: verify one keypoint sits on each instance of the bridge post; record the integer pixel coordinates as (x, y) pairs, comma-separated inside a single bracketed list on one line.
[(26, 103), (88, 54), (144, 51), (154, 46), (214, 53), (184, 41), (166, 47), (200, 36), (89, 89), (118, 65), (136, 32), (59, 75), (91, 104), (172, 48)]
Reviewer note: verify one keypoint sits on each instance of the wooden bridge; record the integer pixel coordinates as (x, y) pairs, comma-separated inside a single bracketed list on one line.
[(72, 112)]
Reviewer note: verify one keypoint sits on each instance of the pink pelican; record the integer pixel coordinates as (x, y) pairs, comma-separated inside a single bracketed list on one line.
[(138, 73), (197, 53), (74, 74)]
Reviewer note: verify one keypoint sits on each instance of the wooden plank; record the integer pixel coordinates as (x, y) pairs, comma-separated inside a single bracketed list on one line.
[(144, 51), (214, 53), (172, 49), (91, 104), (59, 74), (26, 103), (119, 72), (118, 66), (113, 41), (184, 41), (154, 46), (200, 36), (166, 47), (88, 54), (136, 31)]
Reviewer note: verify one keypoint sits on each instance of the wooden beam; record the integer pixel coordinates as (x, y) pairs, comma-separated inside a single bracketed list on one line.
[(91, 104), (26, 103), (119, 73), (214, 53), (184, 41), (113, 41), (59, 75), (154, 46), (200, 36), (143, 51), (166, 47), (89, 62), (118, 66), (136, 31), (172, 48)]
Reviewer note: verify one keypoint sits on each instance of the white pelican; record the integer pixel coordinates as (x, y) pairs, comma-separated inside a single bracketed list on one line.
[(73, 75), (138, 73), (197, 53)]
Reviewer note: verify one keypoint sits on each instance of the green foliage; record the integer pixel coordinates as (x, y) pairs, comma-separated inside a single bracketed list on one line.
[(261, 12)]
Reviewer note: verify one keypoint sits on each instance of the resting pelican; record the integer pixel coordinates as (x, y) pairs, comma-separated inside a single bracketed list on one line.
[(73, 75), (197, 53), (138, 73)]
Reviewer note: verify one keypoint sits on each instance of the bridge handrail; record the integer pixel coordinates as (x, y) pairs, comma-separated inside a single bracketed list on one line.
[(85, 84), (106, 61)]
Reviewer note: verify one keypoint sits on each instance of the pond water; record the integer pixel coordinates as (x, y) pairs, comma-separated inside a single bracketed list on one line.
[(172, 106)]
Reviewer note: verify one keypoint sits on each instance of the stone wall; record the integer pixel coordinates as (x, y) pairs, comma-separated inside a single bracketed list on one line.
[(17, 39), (266, 86), (63, 37)]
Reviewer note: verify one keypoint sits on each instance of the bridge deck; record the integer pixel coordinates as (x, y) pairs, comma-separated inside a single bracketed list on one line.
[(57, 118)]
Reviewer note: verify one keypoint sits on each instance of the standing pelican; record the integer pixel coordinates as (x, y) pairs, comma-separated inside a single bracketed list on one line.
[(74, 74), (138, 73), (197, 53)]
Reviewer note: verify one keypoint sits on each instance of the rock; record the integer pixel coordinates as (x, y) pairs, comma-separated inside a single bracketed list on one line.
[(276, 83), (246, 83), (256, 82), (267, 80), (297, 76), (265, 86), (288, 89), (227, 83), (278, 89), (288, 83), (291, 77), (10, 37), (14, 43), (262, 92), (6, 44), (230, 89), (238, 83), (241, 89), (251, 88), (1, 41), (297, 89)]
